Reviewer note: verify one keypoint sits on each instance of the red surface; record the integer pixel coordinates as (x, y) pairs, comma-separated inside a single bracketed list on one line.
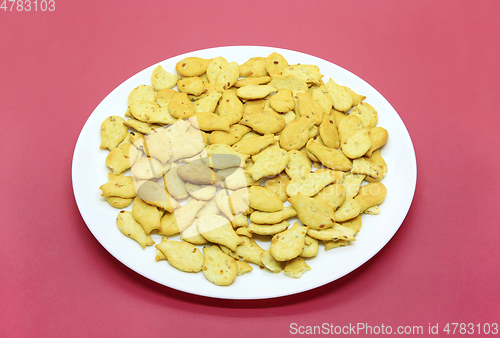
[(435, 61)]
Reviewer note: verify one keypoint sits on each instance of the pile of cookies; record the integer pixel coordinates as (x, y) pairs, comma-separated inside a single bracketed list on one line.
[(233, 153)]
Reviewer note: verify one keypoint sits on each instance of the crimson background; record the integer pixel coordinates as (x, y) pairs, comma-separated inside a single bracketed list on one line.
[(435, 61)]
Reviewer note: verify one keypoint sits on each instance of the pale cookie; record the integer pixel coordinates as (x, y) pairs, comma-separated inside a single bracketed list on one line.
[(160, 256), (266, 121), (378, 167), (254, 145), (333, 195), (230, 107), (140, 109), (243, 267), (191, 85), (120, 203), (201, 192), (209, 91), (335, 244), (269, 163), (219, 268), (351, 183), (290, 82), (193, 236), (141, 127), (229, 252), (278, 185), (122, 186), (337, 116), (254, 106), (288, 244), (371, 194), (356, 98), (249, 251), (222, 201), (235, 134), (337, 232), (313, 213), (142, 92), (137, 139), (309, 108), (362, 167), (254, 67), (164, 96), (299, 164), (235, 178), (175, 130), (214, 68), (240, 221), (146, 214), (218, 229), (348, 210), (271, 148), (353, 224), (210, 208), (239, 202), (296, 267), (261, 217), (329, 133), (113, 132), (357, 144), (275, 63), (161, 79), (309, 73), (311, 183), (174, 184), (270, 262), (313, 132), (208, 103), (122, 157), (181, 255), (247, 81), (348, 126), (147, 168), (282, 101), (181, 107), (188, 145), (378, 136), (198, 174), (180, 219), (366, 113), (311, 247), (252, 92), (130, 228), (192, 66), (322, 97), (331, 158), (375, 210), (155, 194), (264, 199), (341, 97), (296, 134), (268, 229), (243, 231), (160, 116), (158, 146), (228, 75), (209, 122)]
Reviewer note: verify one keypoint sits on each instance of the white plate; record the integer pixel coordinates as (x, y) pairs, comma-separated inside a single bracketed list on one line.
[(89, 172)]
